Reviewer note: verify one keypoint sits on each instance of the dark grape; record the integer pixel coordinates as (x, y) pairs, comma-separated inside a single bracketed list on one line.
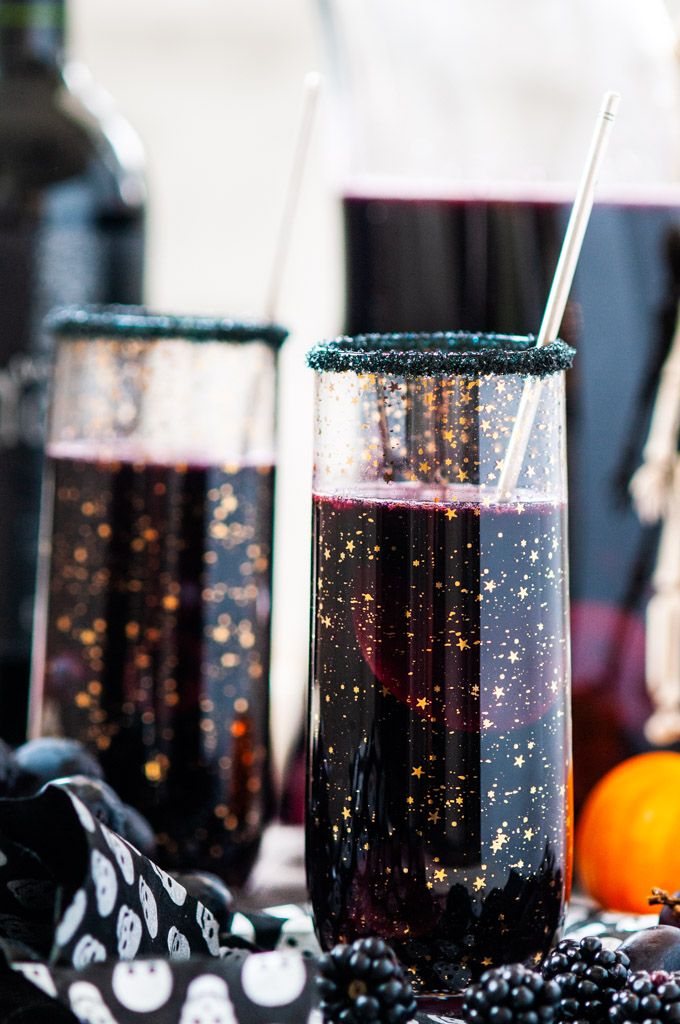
[(43, 760), (653, 949), (212, 893)]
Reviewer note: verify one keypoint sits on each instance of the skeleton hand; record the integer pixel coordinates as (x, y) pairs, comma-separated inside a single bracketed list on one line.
[(650, 489)]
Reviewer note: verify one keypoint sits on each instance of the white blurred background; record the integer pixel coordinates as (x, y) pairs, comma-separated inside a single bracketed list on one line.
[(214, 88)]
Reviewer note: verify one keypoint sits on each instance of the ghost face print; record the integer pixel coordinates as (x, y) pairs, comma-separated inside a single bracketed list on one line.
[(105, 883), (143, 986), (84, 816), (273, 979), (88, 1005), (149, 908), (298, 933), (128, 933), (39, 976), (210, 929), (71, 920), (178, 945), (88, 950), (175, 891), (208, 1002), (241, 926), (121, 853)]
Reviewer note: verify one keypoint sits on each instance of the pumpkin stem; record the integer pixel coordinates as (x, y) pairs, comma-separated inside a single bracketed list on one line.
[(661, 897)]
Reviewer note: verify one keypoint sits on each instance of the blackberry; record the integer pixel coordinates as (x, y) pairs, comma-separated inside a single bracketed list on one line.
[(511, 995), (588, 975), (364, 983), (653, 997)]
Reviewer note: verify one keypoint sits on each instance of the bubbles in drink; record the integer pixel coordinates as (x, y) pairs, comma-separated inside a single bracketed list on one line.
[(157, 652)]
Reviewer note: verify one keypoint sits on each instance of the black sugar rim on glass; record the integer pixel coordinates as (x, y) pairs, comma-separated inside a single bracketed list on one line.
[(139, 323), (444, 353)]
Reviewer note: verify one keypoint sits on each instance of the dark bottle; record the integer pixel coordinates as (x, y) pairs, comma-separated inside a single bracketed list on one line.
[(72, 199)]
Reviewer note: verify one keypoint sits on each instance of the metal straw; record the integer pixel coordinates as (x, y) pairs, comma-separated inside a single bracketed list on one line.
[(559, 293)]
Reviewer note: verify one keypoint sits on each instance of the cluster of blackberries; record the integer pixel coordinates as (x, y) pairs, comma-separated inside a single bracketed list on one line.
[(652, 997), (512, 995), (571, 988), (578, 983), (363, 983), (588, 976)]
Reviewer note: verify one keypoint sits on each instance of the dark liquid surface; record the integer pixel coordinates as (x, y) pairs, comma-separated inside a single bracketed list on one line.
[(157, 650), (486, 264), (440, 787)]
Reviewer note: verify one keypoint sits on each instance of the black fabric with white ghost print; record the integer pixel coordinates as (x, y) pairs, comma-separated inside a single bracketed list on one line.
[(241, 988), (108, 901), (104, 933)]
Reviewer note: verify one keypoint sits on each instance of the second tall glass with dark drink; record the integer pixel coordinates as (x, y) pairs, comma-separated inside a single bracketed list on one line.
[(152, 631)]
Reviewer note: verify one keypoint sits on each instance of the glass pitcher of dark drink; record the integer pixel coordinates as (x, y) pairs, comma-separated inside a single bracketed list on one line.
[(153, 607), (458, 133)]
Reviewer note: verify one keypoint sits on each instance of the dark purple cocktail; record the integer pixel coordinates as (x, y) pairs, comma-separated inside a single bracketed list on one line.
[(438, 759), (440, 785), (153, 611), (158, 616)]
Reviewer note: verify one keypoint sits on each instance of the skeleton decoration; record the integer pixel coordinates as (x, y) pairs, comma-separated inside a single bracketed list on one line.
[(655, 489)]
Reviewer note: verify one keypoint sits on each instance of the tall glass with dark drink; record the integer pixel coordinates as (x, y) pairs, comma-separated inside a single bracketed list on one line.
[(440, 783), (152, 642)]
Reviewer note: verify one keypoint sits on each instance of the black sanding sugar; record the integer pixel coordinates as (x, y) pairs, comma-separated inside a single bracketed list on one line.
[(459, 354), (139, 322)]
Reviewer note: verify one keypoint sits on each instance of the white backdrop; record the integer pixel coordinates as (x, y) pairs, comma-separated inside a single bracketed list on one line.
[(214, 88)]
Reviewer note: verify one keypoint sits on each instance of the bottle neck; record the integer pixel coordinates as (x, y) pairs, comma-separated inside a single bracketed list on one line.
[(31, 34)]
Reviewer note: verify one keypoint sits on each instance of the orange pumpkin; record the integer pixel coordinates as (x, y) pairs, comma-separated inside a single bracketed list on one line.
[(628, 834)]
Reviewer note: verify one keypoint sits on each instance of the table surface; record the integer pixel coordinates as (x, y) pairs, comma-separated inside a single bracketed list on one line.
[(279, 878)]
